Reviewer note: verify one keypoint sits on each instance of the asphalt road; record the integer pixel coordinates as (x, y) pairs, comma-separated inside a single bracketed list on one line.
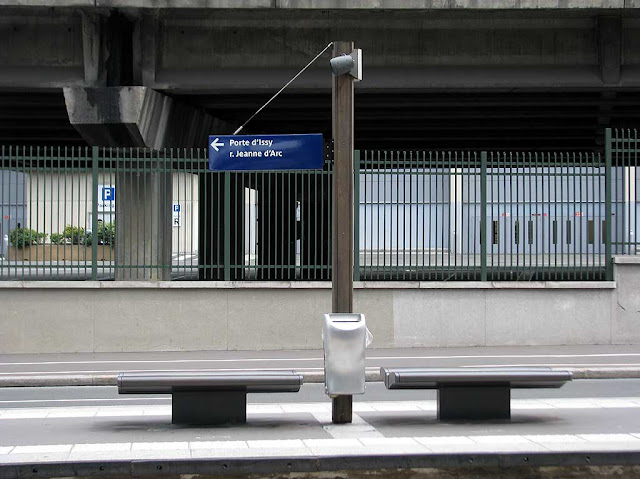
[(624, 356)]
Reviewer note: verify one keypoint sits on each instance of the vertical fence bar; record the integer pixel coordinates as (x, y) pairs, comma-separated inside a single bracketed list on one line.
[(94, 213), (483, 215), (356, 215), (227, 226), (607, 205)]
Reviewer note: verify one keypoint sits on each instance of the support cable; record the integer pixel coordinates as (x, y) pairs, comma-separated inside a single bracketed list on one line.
[(282, 89)]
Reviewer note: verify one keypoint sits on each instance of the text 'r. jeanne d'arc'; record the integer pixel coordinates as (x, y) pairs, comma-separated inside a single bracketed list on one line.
[(256, 154)]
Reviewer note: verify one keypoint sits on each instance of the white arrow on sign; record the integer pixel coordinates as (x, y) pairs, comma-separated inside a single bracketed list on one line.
[(216, 143)]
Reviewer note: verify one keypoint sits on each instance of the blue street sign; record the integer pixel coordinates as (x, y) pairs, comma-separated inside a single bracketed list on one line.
[(265, 152), (108, 193)]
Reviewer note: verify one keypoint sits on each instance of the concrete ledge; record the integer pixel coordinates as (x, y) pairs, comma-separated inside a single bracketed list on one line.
[(626, 259), (461, 285)]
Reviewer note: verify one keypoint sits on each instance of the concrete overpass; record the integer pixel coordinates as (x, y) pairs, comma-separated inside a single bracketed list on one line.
[(438, 73)]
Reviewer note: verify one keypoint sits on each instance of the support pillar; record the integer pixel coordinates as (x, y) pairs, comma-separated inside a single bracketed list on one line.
[(141, 117), (143, 226)]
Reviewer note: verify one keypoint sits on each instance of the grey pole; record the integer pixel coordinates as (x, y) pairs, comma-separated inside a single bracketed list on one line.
[(342, 200)]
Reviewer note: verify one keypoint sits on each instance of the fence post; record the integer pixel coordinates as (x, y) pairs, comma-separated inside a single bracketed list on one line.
[(356, 216), (608, 176), (94, 213), (227, 226), (483, 216)]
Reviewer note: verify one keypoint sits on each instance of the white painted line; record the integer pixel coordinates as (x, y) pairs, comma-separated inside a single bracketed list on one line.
[(42, 449), (555, 439), (499, 439), (627, 438), (276, 443), (388, 441), (196, 445), (321, 411), (72, 412), (28, 413), (557, 365), (319, 358), (157, 361), (159, 446), (117, 411), (103, 447), (444, 441), (339, 443)]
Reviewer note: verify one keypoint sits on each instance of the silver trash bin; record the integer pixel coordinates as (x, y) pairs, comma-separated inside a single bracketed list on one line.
[(344, 337)]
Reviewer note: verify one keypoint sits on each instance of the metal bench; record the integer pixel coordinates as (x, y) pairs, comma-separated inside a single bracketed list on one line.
[(474, 393), (209, 397)]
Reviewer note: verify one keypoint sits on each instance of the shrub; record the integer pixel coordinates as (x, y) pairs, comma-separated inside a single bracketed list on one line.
[(56, 238), (75, 234), (21, 237), (106, 234)]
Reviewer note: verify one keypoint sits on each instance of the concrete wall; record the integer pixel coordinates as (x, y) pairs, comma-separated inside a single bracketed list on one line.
[(112, 316)]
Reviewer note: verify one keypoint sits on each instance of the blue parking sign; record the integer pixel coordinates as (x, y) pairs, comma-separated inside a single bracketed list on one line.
[(108, 194)]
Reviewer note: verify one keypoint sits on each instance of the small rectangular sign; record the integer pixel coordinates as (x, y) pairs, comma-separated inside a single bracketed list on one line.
[(106, 198), (265, 152)]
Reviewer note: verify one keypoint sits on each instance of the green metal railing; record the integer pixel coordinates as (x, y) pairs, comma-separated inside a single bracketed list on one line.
[(481, 215), (138, 214)]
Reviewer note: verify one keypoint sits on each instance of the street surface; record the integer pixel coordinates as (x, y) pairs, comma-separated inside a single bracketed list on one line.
[(44, 426), (624, 356)]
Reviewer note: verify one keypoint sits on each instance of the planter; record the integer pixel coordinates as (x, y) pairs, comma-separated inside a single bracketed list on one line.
[(62, 252)]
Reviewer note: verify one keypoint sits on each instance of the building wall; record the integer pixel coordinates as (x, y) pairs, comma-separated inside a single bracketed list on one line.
[(55, 200), (131, 316)]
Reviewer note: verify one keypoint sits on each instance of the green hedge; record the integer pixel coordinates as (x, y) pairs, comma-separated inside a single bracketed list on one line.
[(21, 237)]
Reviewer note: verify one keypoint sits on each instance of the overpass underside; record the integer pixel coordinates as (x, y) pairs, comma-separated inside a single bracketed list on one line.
[(507, 78)]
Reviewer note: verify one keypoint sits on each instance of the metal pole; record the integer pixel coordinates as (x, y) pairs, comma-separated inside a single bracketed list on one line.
[(608, 185), (342, 218), (483, 216), (94, 213)]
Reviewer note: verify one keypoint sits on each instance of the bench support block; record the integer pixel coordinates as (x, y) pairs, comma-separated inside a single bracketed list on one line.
[(476, 402), (208, 407)]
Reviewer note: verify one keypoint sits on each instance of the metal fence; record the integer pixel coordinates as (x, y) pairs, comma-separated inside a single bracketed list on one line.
[(127, 214), (481, 215)]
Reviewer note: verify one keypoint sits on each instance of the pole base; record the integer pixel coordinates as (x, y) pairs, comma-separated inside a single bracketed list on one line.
[(342, 410)]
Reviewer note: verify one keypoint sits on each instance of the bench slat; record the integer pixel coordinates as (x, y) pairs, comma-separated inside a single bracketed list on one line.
[(168, 382), (433, 378)]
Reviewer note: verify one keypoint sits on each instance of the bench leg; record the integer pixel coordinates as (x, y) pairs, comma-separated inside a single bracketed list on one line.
[(477, 402), (209, 407)]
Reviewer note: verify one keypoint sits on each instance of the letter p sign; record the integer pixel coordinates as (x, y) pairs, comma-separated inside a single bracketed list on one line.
[(108, 194)]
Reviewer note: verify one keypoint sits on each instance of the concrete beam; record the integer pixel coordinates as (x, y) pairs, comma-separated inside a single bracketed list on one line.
[(610, 49), (335, 4), (138, 117)]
